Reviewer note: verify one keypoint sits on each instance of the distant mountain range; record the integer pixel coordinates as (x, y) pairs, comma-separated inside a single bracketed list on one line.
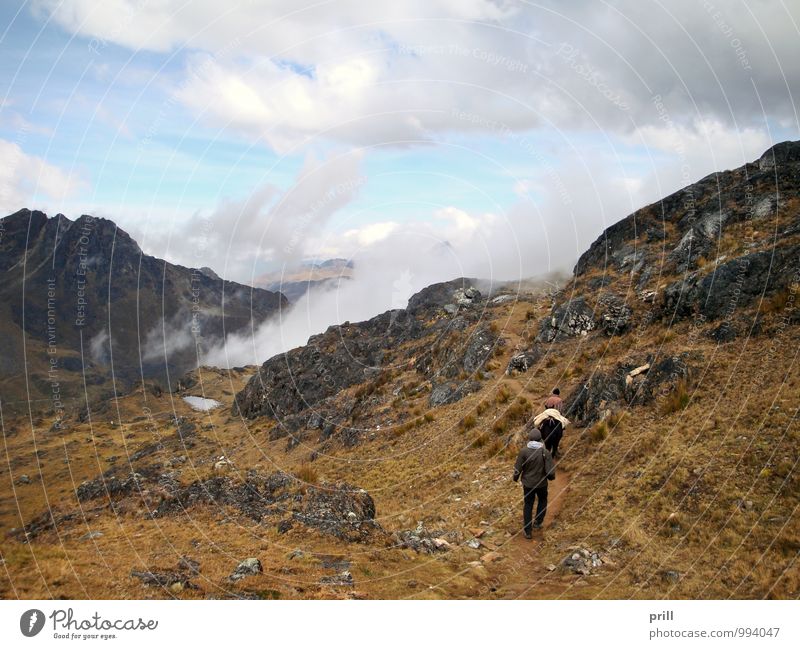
[(82, 307), (296, 282)]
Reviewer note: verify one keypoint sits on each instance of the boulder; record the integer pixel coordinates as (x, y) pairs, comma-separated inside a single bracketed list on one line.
[(523, 361), (616, 315), (570, 319), (631, 382), (246, 568)]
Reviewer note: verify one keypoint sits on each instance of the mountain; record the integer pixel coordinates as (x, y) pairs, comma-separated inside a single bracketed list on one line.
[(80, 301), (375, 461), (296, 282)]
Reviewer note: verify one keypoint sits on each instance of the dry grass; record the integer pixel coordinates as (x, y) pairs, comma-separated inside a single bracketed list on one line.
[(308, 474), (619, 501), (677, 399)]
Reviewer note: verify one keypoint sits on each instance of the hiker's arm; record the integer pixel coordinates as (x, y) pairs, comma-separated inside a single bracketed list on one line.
[(518, 466)]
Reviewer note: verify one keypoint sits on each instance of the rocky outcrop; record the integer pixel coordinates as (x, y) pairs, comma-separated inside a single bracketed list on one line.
[(524, 361), (573, 318), (108, 301), (732, 285), (616, 315), (635, 381), (288, 385)]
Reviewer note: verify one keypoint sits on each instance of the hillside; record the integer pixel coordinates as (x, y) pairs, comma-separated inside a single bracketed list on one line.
[(375, 461), (82, 307)]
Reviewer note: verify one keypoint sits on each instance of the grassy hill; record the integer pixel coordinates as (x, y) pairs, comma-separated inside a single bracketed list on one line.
[(376, 461)]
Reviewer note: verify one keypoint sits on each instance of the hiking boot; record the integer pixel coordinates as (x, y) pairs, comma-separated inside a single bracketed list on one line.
[(528, 535), (537, 526)]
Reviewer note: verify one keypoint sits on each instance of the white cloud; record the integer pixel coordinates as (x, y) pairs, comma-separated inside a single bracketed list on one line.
[(29, 181), (363, 72)]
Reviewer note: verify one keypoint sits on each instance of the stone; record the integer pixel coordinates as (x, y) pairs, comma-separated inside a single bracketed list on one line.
[(344, 578), (222, 465), (246, 568), (491, 557), (581, 561), (573, 318), (475, 544), (23, 479), (503, 299), (90, 536), (523, 361), (466, 296), (185, 564), (615, 318)]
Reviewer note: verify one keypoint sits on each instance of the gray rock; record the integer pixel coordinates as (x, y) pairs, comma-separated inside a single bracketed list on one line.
[(466, 296), (523, 361), (503, 299), (344, 578), (23, 479), (246, 568), (616, 316), (570, 319), (90, 536)]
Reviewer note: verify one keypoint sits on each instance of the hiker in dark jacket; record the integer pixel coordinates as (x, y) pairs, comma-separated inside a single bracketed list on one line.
[(555, 400), (534, 467)]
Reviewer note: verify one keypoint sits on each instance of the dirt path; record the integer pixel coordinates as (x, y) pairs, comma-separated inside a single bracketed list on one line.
[(526, 566)]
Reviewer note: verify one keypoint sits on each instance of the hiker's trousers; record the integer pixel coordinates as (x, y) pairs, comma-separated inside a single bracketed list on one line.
[(529, 494)]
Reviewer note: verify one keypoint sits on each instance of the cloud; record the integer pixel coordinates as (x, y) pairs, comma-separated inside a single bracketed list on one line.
[(269, 225), (27, 180), (362, 72)]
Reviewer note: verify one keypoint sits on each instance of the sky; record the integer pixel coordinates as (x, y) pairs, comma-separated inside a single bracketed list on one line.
[(424, 140)]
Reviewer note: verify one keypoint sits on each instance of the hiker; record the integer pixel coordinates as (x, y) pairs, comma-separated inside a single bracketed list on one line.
[(534, 467), (555, 401)]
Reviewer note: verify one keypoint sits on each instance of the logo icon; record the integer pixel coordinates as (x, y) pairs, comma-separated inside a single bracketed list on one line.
[(31, 622)]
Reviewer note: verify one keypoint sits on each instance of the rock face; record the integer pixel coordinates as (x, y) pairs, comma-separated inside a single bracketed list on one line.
[(297, 389), (616, 315), (572, 318), (708, 252), (732, 285), (524, 361), (633, 382), (89, 281)]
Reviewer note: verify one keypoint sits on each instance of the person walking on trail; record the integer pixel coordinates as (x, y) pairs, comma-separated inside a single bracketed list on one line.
[(555, 400), (533, 468)]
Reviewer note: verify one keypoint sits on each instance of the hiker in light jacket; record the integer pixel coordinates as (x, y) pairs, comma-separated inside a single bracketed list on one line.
[(534, 467)]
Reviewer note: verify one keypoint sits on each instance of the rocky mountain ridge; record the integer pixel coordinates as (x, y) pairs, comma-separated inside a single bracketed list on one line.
[(84, 300)]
